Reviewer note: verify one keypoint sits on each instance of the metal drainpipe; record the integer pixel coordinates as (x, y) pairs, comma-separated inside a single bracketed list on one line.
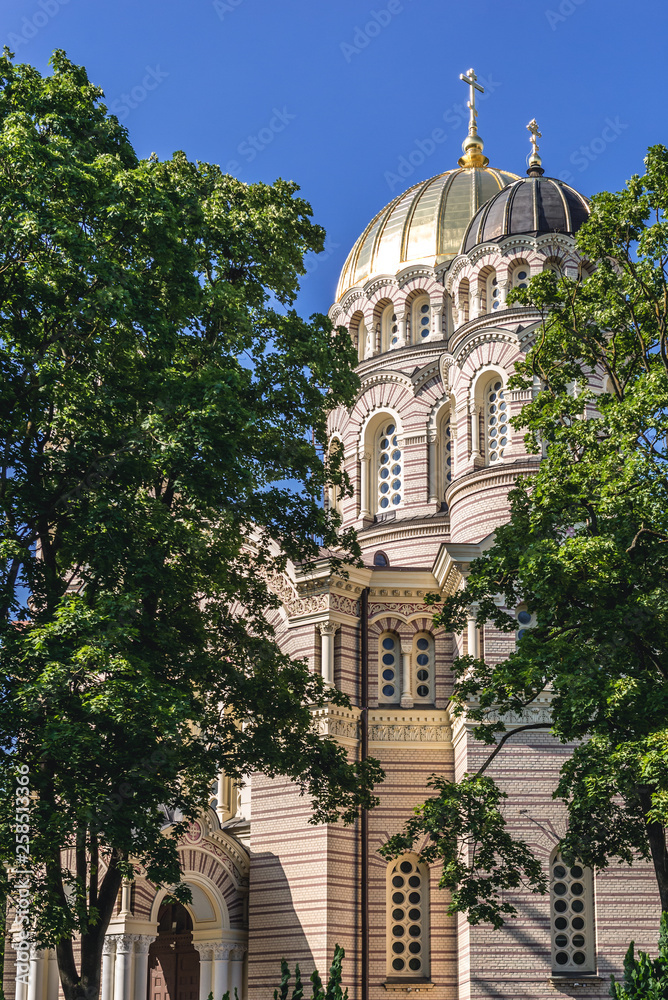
[(364, 817)]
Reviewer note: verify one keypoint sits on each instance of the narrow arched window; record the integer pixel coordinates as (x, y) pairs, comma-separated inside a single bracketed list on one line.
[(447, 454), (572, 905), (389, 669), (520, 275), (407, 919), (423, 659), (421, 325), (493, 293), (362, 340), (496, 421), (390, 475), (389, 336), (463, 300), (525, 620)]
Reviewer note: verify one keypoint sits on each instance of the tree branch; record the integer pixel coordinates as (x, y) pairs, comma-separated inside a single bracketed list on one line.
[(506, 736)]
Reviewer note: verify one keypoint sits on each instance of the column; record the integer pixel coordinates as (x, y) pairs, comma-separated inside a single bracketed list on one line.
[(237, 973), (141, 966), (22, 949), (126, 898), (401, 324), (472, 633), (205, 970), (124, 947), (52, 976), (454, 416), (368, 348), (433, 470), (107, 978), (327, 632), (377, 338), (221, 955), (36, 975), (437, 322), (406, 671), (474, 411), (365, 459), (504, 288)]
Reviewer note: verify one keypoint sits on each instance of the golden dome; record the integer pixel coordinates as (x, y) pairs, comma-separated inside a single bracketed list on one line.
[(423, 225)]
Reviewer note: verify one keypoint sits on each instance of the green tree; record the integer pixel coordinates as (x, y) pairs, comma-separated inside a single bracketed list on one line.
[(158, 393), (644, 979), (586, 549)]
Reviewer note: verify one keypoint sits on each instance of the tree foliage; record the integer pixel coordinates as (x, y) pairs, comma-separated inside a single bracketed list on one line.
[(158, 393), (332, 991), (645, 979), (586, 550)]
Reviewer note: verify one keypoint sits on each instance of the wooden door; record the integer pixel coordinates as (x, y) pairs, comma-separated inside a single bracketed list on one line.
[(173, 968)]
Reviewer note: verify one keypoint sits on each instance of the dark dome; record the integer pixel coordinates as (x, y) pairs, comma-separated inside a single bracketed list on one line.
[(531, 205)]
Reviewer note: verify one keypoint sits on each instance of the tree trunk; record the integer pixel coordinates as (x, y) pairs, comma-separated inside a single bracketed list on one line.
[(656, 836), (85, 985)]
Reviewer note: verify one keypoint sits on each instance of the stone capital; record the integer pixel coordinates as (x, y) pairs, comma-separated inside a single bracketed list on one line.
[(221, 952), (237, 953), (108, 945), (328, 628), (144, 942), (125, 943)]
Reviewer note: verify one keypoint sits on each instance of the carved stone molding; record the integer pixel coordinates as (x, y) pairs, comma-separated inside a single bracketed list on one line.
[(334, 721), (410, 733)]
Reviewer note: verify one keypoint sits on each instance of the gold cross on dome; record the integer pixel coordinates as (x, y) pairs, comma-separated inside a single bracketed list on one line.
[(471, 79), (532, 127)]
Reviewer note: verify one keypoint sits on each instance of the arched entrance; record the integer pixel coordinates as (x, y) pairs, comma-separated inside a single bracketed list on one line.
[(173, 962)]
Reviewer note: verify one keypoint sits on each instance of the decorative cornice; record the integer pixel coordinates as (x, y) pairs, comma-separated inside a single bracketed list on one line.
[(409, 726), (430, 370), (504, 473), (386, 377), (393, 531), (333, 720)]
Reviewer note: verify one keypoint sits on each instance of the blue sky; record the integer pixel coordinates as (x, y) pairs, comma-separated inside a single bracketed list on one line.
[(337, 94)]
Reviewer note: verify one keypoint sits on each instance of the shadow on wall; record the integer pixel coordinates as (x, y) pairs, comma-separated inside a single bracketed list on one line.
[(274, 929)]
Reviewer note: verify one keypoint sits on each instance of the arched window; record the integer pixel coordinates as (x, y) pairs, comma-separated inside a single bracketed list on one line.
[(334, 491), (463, 300), (389, 669), (520, 274), (525, 620), (496, 421), (572, 917), (389, 465), (493, 293), (362, 336), (554, 264), (407, 919), (447, 454), (380, 559), (389, 336), (421, 322), (423, 659)]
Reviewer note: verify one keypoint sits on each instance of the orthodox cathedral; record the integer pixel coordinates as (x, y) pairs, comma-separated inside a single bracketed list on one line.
[(432, 456)]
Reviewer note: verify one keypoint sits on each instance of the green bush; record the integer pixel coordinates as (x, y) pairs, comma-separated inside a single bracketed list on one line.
[(332, 991), (645, 979)]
